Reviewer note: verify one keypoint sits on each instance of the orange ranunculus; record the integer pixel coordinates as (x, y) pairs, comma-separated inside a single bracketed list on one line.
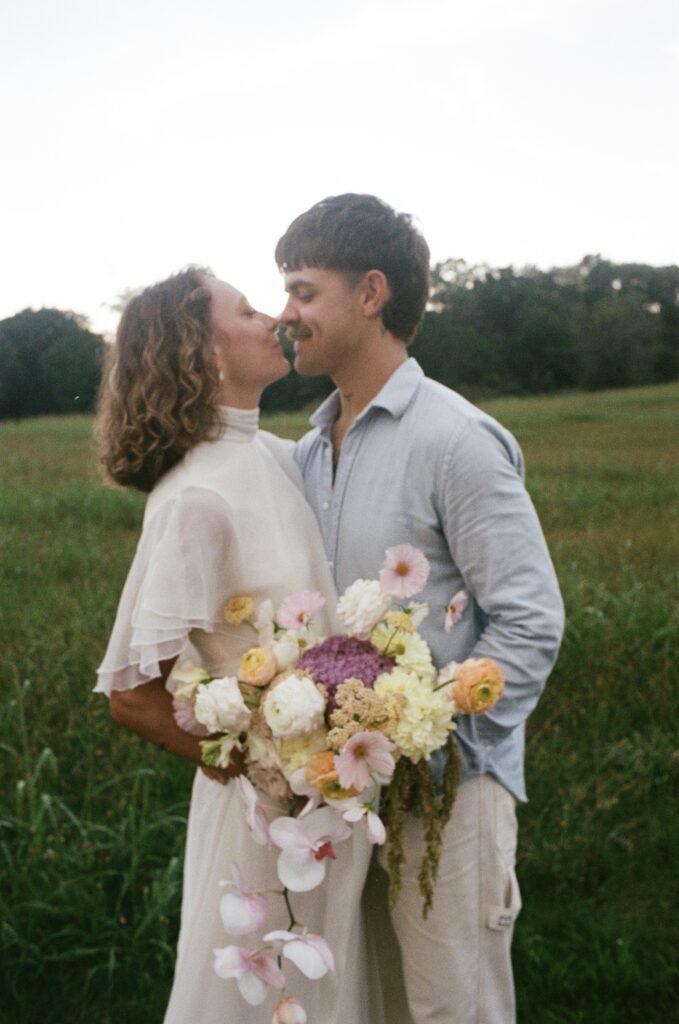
[(321, 774), (477, 686), (258, 666)]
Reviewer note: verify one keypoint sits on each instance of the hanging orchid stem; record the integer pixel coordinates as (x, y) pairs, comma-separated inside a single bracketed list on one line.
[(286, 897)]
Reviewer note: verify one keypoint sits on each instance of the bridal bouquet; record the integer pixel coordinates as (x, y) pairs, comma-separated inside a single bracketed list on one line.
[(341, 729)]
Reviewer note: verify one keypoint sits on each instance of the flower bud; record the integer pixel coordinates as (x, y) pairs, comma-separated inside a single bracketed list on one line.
[(289, 1011)]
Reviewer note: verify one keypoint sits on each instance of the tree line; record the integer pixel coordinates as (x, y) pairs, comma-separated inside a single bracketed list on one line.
[(487, 331)]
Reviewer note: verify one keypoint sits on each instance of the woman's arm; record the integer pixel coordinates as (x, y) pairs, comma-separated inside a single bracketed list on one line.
[(147, 710)]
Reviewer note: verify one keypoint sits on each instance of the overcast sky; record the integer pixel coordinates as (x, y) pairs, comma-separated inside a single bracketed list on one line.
[(141, 135)]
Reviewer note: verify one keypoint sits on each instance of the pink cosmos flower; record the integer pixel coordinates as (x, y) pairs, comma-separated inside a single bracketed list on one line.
[(289, 1011), (255, 815), (296, 610), (456, 606), (242, 911), (252, 970), (305, 846), (186, 720), (405, 571), (363, 754), (310, 953)]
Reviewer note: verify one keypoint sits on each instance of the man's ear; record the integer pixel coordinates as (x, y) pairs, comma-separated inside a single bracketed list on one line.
[(374, 292)]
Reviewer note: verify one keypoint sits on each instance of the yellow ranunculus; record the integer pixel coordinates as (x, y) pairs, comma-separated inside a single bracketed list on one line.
[(258, 666), (239, 609)]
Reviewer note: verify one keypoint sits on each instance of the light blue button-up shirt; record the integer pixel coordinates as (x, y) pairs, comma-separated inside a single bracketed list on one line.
[(420, 465)]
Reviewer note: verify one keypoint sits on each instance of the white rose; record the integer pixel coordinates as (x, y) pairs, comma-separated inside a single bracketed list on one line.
[(361, 606), (220, 706), (294, 707), (286, 650)]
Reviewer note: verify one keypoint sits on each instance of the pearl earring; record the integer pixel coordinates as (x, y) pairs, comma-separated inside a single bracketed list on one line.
[(221, 376)]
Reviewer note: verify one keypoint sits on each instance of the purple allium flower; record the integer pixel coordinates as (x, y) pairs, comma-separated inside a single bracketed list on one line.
[(344, 657)]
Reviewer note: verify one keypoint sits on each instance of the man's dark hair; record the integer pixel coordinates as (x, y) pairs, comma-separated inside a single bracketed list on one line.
[(355, 233)]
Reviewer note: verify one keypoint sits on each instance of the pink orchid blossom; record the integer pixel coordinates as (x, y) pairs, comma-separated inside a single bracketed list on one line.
[(310, 953), (289, 1011), (255, 815), (297, 609), (243, 911), (456, 606), (365, 753), (252, 970), (371, 822), (405, 571), (305, 846), (186, 720)]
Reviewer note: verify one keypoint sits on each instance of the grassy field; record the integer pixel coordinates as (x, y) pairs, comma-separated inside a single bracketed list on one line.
[(92, 819)]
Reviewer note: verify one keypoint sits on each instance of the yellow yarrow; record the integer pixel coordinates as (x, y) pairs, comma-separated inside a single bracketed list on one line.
[(360, 708), (239, 609)]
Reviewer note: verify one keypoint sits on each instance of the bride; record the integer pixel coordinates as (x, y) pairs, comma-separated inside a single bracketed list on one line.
[(225, 517)]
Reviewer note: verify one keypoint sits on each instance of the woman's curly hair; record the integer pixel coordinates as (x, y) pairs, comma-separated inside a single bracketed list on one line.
[(159, 390)]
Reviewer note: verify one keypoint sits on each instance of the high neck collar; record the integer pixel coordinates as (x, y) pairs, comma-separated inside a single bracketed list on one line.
[(238, 424)]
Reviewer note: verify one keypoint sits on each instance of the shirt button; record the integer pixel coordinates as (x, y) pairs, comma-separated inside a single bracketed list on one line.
[(331, 564), (326, 506)]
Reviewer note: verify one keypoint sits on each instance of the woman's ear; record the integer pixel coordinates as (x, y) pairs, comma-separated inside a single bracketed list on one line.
[(217, 362)]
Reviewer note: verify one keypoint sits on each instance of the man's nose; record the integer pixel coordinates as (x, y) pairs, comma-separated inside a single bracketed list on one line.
[(289, 314)]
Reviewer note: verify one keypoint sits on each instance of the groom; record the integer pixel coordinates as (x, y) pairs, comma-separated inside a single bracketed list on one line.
[(396, 458)]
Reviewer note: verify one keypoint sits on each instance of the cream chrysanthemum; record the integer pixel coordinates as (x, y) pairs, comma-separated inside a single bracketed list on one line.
[(409, 650), (295, 752), (426, 718)]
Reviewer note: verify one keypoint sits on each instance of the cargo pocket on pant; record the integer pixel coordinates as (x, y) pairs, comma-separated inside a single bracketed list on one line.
[(502, 917)]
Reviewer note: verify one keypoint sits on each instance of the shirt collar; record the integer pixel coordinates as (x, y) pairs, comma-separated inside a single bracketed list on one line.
[(394, 397)]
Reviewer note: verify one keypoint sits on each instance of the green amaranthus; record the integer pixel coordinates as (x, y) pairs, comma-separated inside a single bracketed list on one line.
[(413, 791)]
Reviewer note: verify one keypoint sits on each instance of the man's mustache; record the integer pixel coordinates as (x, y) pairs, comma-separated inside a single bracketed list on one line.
[(299, 333)]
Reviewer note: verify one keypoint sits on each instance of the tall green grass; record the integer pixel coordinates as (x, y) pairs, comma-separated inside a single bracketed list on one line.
[(92, 819)]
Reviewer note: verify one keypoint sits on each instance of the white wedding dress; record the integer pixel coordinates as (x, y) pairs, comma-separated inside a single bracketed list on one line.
[(231, 519)]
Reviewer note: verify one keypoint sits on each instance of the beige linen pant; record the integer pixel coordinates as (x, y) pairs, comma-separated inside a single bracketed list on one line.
[(455, 967)]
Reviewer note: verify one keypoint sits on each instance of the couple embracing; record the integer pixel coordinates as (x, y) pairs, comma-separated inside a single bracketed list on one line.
[(393, 458)]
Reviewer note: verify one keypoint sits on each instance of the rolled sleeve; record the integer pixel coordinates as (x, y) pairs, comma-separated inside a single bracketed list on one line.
[(496, 541)]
